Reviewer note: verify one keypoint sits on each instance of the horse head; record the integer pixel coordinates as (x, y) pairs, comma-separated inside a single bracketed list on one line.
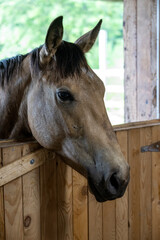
[(66, 111)]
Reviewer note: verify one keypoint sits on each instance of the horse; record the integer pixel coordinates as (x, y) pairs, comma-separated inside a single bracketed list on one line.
[(52, 95)]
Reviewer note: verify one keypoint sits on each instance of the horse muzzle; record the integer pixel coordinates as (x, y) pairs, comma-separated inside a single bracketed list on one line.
[(112, 187)]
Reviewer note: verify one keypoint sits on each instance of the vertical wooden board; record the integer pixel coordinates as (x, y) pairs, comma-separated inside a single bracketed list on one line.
[(2, 233), (122, 203), (153, 55), (130, 59), (48, 189), (109, 220), (95, 219), (31, 200), (134, 185), (140, 59), (145, 186), (80, 207), (64, 190), (13, 199), (144, 81), (155, 186), (159, 59)]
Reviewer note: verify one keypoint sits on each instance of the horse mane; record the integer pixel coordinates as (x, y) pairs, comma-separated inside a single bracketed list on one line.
[(69, 60), (8, 67)]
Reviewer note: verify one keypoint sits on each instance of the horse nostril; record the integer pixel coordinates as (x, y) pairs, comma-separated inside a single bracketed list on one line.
[(114, 181), (113, 184)]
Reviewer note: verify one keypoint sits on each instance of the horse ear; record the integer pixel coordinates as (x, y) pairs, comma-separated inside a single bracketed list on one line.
[(86, 41), (52, 41)]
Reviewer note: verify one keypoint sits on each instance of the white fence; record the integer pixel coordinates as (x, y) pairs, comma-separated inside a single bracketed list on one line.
[(114, 97)]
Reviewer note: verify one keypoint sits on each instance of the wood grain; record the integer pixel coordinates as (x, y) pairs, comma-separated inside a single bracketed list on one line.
[(95, 219), (153, 56), (155, 186), (21, 166), (31, 200), (48, 191), (14, 143), (145, 186), (13, 199), (64, 189), (135, 125), (122, 203), (144, 83), (134, 185), (2, 232), (140, 59), (80, 207), (159, 55), (130, 59), (109, 220), (61, 207)]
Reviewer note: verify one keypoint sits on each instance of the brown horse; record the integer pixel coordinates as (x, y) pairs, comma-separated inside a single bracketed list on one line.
[(53, 95)]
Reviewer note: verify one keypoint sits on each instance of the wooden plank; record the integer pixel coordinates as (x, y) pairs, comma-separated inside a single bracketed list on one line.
[(135, 125), (140, 59), (134, 185), (80, 207), (14, 143), (13, 199), (145, 186), (122, 203), (31, 200), (109, 220), (155, 186), (2, 232), (48, 189), (21, 166), (158, 55), (144, 81), (6, 141), (95, 219), (64, 189), (153, 56), (130, 59)]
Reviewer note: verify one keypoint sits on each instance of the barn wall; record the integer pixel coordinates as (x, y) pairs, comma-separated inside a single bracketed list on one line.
[(140, 53), (52, 201)]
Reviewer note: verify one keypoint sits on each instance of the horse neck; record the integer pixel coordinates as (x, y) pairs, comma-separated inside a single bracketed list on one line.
[(13, 102)]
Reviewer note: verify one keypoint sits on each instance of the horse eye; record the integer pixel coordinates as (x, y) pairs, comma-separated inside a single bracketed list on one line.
[(65, 96)]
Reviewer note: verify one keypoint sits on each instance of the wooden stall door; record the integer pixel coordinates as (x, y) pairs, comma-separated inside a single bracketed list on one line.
[(51, 201), (135, 216), (142, 204)]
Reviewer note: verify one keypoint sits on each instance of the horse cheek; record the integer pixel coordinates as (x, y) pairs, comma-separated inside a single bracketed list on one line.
[(42, 123)]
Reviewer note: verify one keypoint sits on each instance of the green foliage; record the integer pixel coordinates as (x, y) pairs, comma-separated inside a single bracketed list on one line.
[(23, 25)]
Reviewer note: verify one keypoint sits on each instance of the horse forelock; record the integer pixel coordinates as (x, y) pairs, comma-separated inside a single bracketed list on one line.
[(67, 62), (70, 60)]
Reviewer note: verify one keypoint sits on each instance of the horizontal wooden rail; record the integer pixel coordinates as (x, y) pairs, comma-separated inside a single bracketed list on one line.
[(4, 143), (22, 166), (133, 125)]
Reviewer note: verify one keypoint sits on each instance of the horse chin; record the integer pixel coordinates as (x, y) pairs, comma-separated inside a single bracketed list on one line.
[(101, 195)]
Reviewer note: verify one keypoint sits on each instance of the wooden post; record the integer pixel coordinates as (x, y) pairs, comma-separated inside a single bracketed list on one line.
[(140, 53)]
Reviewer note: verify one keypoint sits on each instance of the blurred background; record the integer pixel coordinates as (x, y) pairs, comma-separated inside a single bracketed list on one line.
[(23, 26)]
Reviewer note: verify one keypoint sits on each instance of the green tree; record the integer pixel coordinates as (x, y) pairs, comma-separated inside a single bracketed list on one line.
[(23, 25)]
